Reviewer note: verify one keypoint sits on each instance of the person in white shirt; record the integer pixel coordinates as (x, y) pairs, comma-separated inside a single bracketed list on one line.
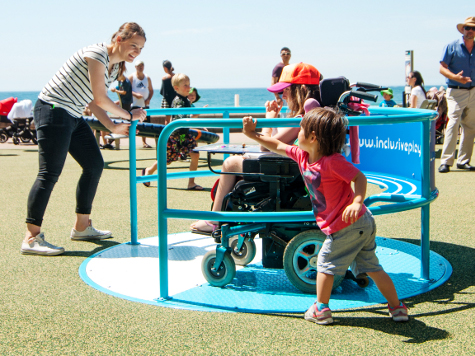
[(82, 81), (418, 93), (142, 91)]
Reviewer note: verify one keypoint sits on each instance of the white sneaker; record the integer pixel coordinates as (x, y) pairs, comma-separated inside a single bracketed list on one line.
[(40, 247), (90, 234)]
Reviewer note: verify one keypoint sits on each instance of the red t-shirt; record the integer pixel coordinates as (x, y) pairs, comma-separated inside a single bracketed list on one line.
[(329, 183)]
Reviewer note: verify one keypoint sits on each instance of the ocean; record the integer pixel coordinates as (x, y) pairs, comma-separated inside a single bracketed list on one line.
[(210, 97)]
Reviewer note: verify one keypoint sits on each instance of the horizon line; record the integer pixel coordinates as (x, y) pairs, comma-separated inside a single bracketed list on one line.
[(201, 88)]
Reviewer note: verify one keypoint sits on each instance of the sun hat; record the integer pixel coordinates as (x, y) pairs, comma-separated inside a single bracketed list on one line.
[(388, 91), (299, 73), (139, 62), (470, 21), (197, 95)]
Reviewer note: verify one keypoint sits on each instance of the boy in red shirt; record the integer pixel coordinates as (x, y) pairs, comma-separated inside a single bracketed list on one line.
[(339, 212)]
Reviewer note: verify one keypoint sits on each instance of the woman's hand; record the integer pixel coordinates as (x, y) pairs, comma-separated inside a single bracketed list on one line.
[(121, 129), (248, 125), (138, 114)]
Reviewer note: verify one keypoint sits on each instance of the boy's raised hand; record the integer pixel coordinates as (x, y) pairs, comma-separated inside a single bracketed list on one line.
[(248, 125), (249, 129)]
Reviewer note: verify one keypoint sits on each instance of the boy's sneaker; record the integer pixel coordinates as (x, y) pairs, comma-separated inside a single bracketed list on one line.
[(399, 313), (90, 233), (322, 317), (40, 247)]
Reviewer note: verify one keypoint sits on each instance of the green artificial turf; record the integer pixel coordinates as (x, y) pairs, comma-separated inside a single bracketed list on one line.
[(46, 309)]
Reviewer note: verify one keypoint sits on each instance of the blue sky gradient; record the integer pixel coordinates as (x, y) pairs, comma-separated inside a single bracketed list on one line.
[(224, 44)]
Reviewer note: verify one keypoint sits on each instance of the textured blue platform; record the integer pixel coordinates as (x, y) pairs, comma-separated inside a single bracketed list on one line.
[(131, 272)]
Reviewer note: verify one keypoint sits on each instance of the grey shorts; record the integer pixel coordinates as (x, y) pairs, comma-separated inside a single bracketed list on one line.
[(353, 246)]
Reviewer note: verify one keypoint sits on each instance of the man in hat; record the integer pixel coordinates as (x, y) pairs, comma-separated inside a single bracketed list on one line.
[(458, 66), (277, 71)]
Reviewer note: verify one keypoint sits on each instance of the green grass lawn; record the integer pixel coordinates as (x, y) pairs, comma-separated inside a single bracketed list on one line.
[(45, 307)]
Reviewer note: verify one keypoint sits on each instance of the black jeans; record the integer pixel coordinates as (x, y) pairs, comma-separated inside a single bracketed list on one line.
[(59, 133)]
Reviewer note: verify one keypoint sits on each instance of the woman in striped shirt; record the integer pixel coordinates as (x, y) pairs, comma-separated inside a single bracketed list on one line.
[(83, 80)]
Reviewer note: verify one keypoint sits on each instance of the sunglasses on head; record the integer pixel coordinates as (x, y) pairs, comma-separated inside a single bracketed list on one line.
[(468, 28), (285, 54)]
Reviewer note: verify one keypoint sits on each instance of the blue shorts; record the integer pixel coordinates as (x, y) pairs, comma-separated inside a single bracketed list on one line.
[(353, 246)]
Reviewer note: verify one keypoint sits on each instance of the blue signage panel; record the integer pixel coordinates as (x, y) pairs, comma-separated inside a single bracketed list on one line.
[(391, 149)]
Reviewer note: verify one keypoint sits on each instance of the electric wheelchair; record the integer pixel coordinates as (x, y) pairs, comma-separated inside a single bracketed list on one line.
[(273, 183)]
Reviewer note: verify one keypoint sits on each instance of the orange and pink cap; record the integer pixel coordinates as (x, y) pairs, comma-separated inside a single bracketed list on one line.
[(299, 73)]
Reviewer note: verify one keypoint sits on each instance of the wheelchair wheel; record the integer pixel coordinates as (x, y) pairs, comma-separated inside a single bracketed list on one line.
[(223, 275), (247, 252), (300, 260), (3, 137), (25, 139), (362, 282), (15, 140)]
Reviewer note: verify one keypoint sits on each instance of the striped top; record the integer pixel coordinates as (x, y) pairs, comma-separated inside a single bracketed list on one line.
[(70, 87)]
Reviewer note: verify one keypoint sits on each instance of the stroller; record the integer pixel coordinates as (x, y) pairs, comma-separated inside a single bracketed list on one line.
[(16, 120), (273, 183), (441, 108)]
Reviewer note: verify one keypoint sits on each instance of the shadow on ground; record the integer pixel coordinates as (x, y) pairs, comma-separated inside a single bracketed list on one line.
[(416, 331), (101, 245)]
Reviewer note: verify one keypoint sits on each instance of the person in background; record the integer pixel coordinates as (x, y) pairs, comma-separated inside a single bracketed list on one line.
[(388, 98), (105, 142), (193, 97), (458, 66), (418, 93), (167, 90), (142, 91), (180, 143), (285, 55), (60, 129), (124, 91)]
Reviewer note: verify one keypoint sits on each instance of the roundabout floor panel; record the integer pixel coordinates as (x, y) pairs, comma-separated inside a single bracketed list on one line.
[(132, 272)]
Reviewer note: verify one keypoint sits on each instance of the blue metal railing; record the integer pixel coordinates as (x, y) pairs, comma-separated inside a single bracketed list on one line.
[(378, 116)]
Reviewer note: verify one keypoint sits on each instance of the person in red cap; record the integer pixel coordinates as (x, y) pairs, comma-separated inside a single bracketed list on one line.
[(458, 66), (298, 82)]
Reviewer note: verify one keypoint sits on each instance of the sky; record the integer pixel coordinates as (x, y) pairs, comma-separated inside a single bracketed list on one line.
[(234, 44)]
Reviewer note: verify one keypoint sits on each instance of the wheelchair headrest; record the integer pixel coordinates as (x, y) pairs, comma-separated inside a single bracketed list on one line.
[(331, 90)]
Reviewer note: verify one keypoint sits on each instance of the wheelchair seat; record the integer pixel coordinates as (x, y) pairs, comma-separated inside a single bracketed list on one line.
[(275, 184)]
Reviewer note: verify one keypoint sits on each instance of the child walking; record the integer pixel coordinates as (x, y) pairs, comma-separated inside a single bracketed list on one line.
[(339, 211)]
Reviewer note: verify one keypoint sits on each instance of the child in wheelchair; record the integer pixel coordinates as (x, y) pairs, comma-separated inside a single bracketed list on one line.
[(339, 211), (298, 82)]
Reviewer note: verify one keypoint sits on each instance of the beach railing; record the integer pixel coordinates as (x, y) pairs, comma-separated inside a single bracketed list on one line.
[(421, 176)]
